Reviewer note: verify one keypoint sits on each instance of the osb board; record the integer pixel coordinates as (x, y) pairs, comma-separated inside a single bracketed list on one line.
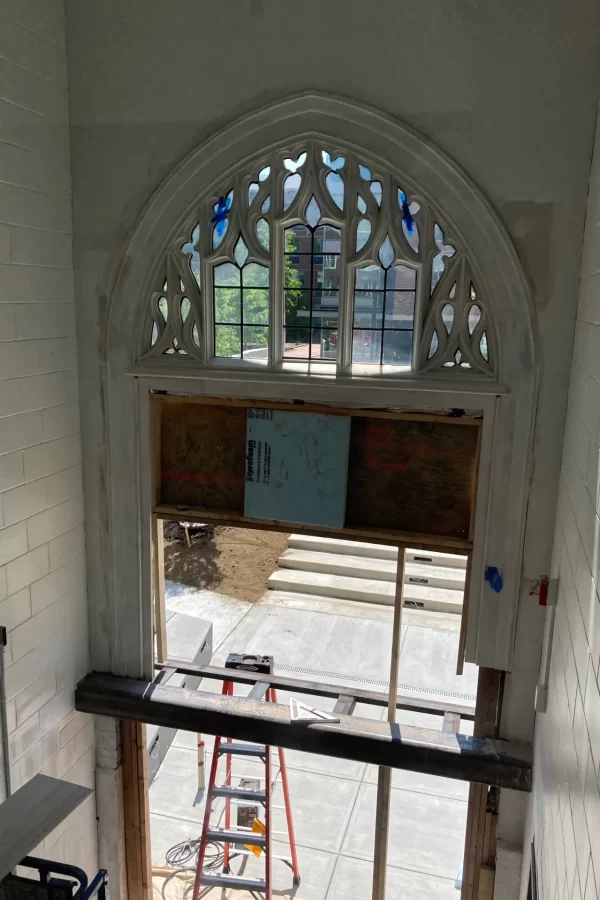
[(412, 475), (202, 450), (406, 474)]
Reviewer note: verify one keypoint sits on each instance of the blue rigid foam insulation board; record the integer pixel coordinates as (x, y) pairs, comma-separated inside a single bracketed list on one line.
[(296, 467)]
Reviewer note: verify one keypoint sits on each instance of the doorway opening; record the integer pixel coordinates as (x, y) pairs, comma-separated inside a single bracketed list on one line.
[(324, 609)]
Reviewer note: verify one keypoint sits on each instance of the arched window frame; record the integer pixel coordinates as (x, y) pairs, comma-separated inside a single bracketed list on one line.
[(123, 626), (438, 342)]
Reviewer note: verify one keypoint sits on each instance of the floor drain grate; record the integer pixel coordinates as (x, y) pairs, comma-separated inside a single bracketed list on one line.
[(376, 682)]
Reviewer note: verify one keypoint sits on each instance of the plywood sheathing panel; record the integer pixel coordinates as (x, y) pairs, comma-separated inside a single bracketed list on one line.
[(203, 449), (411, 475)]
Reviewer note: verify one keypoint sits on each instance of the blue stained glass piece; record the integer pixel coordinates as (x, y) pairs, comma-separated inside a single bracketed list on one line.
[(221, 209), (264, 173), (407, 218), (266, 205), (365, 173)]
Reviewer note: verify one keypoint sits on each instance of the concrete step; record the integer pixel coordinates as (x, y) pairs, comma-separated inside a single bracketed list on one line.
[(366, 590), (370, 567), (378, 551)]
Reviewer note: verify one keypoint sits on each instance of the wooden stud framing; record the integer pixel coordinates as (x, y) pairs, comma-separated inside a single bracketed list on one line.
[(157, 541), (480, 841), (481, 823), (158, 588), (333, 410), (384, 779), (464, 619), (199, 470), (431, 542), (138, 856)]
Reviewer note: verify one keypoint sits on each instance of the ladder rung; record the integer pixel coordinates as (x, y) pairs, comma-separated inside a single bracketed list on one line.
[(236, 837), (242, 749), (234, 882), (287, 859), (239, 793)]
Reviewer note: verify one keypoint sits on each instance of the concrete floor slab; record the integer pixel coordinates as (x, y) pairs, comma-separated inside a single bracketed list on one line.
[(174, 791), (428, 660), (426, 832), (333, 801), (316, 641), (224, 612), (321, 804), (353, 878), (316, 872)]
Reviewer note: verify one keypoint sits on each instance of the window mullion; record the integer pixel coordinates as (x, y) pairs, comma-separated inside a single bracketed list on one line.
[(207, 337), (277, 294), (345, 300)]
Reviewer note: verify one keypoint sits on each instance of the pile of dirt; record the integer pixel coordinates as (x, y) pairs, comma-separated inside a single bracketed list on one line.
[(236, 562)]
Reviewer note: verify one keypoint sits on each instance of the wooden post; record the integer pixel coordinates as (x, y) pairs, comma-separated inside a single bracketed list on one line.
[(464, 619), (138, 855), (480, 840), (158, 587), (384, 780)]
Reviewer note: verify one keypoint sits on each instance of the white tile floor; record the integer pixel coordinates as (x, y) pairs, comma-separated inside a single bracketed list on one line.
[(333, 801)]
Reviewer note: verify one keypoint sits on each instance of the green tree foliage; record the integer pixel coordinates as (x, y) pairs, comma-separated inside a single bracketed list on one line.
[(231, 284), (295, 298), (228, 280)]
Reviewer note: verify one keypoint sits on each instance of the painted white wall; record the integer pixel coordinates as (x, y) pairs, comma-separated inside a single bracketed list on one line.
[(507, 89), (42, 552), (566, 801)]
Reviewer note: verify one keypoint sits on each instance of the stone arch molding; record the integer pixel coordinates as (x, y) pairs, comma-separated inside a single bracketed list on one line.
[(506, 395)]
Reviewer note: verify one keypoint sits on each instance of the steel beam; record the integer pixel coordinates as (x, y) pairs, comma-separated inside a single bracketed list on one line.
[(456, 756)]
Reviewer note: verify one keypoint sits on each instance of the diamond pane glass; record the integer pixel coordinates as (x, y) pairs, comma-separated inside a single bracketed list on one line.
[(228, 341), (228, 305), (256, 342), (363, 233), (399, 309), (255, 275), (335, 186), (256, 306), (397, 348), (366, 347), (227, 274), (263, 233), (448, 317)]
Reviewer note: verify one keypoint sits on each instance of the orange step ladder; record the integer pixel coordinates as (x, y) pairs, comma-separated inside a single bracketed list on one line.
[(253, 842)]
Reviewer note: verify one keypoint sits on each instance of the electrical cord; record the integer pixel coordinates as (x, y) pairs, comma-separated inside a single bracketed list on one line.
[(183, 857)]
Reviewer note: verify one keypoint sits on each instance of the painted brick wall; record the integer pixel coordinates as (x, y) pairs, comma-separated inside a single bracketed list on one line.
[(566, 800), (42, 553)]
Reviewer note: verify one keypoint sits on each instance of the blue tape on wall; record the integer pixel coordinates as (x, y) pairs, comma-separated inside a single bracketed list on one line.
[(494, 578)]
